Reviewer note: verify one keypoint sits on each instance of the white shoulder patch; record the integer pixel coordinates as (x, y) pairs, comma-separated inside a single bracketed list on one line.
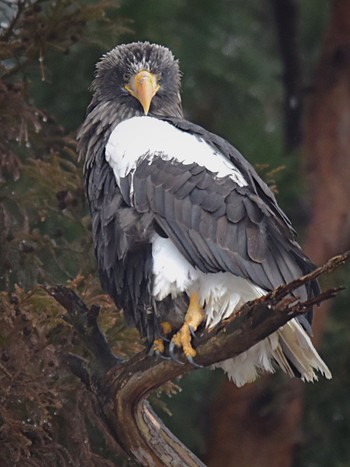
[(146, 137)]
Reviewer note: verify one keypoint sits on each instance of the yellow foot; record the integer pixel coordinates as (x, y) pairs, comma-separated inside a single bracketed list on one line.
[(158, 344), (193, 318)]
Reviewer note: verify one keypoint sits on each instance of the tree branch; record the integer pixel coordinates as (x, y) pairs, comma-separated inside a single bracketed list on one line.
[(122, 388)]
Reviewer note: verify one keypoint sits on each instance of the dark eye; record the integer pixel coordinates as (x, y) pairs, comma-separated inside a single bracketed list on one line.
[(126, 77)]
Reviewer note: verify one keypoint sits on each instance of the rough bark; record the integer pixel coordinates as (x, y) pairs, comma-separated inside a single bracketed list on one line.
[(327, 143), (254, 441), (120, 389)]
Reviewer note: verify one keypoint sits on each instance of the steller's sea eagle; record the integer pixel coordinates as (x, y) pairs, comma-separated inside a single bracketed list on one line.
[(185, 231)]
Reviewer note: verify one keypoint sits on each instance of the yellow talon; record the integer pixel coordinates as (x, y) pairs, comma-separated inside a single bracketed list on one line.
[(193, 318), (158, 344)]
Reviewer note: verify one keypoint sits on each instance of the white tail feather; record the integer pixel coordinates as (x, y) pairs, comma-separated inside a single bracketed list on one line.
[(288, 345), (298, 348)]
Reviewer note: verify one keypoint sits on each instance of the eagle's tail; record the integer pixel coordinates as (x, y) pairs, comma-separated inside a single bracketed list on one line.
[(297, 347), (290, 347)]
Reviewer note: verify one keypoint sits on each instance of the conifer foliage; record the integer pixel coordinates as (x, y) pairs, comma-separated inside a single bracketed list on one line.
[(45, 412)]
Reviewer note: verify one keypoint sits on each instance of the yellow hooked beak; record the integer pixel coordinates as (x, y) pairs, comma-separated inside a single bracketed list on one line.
[(143, 86)]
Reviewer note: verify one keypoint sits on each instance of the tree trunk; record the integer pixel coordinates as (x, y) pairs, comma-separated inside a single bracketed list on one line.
[(251, 426), (286, 13), (327, 145), (258, 425)]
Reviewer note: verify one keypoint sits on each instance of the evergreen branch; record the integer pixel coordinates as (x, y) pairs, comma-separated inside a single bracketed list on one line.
[(20, 7)]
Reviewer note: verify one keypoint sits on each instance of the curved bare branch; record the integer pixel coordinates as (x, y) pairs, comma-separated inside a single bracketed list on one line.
[(122, 388)]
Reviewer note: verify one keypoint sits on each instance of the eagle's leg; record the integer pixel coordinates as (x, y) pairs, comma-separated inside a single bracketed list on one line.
[(194, 317), (158, 344)]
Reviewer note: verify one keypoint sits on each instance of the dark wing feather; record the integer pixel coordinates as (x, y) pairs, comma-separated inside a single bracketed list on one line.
[(256, 184), (218, 225), (290, 253), (124, 263)]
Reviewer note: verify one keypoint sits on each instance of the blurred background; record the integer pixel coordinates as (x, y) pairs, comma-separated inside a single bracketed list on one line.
[(271, 77)]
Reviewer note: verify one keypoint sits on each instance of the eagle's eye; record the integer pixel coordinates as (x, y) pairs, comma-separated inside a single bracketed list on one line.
[(126, 77)]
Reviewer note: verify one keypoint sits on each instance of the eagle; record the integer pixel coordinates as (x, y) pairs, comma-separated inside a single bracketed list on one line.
[(185, 231)]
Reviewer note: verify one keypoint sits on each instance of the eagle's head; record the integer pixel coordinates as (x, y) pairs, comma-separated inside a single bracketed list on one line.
[(141, 78)]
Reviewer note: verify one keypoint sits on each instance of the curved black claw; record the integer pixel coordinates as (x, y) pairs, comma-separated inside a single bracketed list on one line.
[(172, 354), (193, 363), (192, 331), (161, 355), (158, 354), (162, 336)]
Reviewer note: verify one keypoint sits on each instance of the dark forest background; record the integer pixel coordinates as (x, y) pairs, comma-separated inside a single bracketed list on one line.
[(271, 77)]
